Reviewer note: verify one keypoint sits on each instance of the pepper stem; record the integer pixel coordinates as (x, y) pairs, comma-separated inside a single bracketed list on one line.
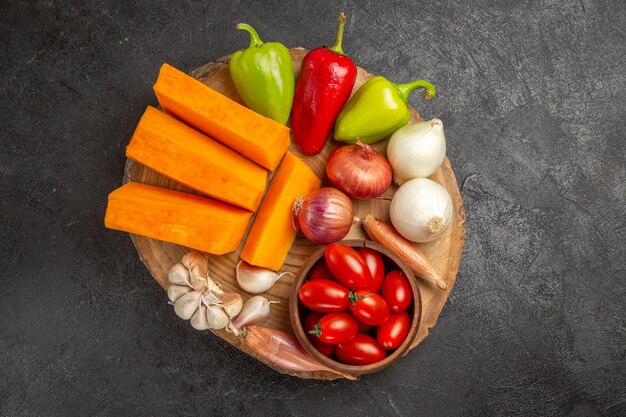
[(254, 37), (406, 89), (339, 38)]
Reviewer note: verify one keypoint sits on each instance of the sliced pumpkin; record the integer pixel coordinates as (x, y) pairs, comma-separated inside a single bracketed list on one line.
[(186, 219), (185, 155), (273, 232), (254, 136)]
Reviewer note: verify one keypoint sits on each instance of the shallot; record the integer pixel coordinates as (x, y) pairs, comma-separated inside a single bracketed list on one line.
[(387, 236), (281, 349)]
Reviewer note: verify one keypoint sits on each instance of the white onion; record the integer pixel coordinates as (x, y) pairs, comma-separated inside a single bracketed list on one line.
[(421, 210), (417, 150)]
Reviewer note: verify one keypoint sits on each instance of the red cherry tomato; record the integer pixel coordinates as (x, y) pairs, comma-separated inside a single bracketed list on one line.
[(336, 328), (347, 266), (361, 350), (397, 291), (309, 324), (392, 333), (375, 264), (320, 271), (324, 296), (369, 307)]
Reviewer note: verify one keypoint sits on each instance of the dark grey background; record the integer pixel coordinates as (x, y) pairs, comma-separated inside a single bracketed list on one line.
[(533, 96)]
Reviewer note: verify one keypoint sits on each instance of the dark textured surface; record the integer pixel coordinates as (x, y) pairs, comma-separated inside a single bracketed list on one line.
[(533, 96)]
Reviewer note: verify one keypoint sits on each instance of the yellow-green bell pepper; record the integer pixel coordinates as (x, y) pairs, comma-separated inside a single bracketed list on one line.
[(378, 109), (263, 76)]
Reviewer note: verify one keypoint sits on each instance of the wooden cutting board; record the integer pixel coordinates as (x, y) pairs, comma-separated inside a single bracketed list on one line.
[(444, 253)]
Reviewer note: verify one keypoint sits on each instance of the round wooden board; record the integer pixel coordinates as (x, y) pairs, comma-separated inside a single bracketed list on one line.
[(444, 253)]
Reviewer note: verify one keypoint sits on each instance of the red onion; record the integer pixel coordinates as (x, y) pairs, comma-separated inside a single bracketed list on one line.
[(359, 171), (325, 215)]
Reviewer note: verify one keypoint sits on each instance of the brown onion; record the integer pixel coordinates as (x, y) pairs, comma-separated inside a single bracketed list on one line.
[(359, 171), (325, 215)]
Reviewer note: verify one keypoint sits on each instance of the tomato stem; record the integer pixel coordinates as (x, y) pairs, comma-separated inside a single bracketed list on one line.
[(317, 330), (353, 297)]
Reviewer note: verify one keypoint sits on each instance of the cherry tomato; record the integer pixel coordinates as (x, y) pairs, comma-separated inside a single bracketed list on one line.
[(397, 291), (375, 264), (309, 324), (369, 307), (347, 266), (324, 296), (391, 334), (361, 350), (336, 328), (320, 271)]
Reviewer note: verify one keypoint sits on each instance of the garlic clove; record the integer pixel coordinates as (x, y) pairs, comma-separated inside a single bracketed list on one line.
[(195, 258), (198, 279), (209, 298), (254, 311), (231, 303), (179, 275), (186, 305), (216, 317), (174, 292), (256, 280), (214, 286), (199, 320)]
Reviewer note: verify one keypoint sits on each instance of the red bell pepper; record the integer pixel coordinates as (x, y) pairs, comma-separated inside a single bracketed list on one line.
[(323, 88)]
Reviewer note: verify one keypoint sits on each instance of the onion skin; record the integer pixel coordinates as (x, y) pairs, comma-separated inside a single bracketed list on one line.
[(389, 237), (359, 171), (325, 215)]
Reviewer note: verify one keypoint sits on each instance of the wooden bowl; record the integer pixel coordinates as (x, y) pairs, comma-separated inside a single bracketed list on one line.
[(296, 310)]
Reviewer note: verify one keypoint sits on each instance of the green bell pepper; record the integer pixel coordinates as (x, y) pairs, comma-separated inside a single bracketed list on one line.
[(378, 109), (263, 76)]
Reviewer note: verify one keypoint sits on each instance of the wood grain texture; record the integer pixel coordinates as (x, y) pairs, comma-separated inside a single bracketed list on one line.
[(444, 253)]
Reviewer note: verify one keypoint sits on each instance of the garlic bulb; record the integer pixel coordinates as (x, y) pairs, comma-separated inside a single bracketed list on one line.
[(421, 210), (254, 311), (256, 280), (417, 150), (197, 297)]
